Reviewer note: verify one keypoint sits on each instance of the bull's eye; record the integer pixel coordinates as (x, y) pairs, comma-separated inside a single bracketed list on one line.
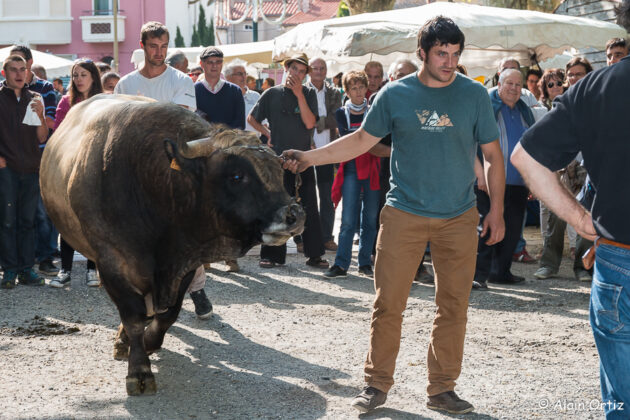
[(237, 177)]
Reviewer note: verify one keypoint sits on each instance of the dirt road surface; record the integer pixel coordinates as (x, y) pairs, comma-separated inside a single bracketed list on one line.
[(287, 343)]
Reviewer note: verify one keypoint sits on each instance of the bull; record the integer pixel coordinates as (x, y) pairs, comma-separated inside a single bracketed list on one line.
[(150, 191)]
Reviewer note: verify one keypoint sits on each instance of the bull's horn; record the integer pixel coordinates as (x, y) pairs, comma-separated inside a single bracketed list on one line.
[(198, 148)]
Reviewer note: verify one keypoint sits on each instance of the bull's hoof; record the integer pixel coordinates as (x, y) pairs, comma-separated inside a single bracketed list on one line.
[(121, 350), (143, 384)]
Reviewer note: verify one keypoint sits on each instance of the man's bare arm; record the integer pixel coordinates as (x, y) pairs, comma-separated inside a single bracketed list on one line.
[(495, 175), (545, 185), (346, 148)]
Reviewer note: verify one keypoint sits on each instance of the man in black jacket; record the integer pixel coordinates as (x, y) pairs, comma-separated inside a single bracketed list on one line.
[(19, 165)]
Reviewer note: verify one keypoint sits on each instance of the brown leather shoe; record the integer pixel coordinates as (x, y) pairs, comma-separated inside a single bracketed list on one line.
[(449, 402), (369, 399), (330, 246)]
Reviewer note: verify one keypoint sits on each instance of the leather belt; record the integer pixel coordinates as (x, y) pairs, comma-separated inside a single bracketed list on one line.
[(588, 259)]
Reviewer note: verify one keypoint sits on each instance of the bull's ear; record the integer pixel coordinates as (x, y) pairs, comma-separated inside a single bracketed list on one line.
[(172, 152)]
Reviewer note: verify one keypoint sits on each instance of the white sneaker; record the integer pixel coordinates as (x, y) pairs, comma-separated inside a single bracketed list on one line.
[(62, 279), (91, 279)]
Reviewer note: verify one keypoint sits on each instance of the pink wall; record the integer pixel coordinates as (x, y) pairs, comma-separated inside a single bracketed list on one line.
[(137, 12)]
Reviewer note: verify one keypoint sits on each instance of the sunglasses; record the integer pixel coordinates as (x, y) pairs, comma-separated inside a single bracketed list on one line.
[(194, 74), (550, 84)]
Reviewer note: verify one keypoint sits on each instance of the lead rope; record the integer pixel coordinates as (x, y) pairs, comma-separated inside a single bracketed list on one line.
[(298, 184), (298, 180)]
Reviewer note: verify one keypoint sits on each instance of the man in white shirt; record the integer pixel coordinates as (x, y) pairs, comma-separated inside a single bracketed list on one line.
[(235, 73), (161, 82), (156, 79)]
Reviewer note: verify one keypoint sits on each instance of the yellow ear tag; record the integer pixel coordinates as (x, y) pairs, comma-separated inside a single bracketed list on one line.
[(174, 165)]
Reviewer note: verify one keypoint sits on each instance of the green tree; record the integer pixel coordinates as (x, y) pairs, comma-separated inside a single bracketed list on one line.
[(343, 10), (194, 42), (202, 29), (367, 6), (210, 40), (179, 39)]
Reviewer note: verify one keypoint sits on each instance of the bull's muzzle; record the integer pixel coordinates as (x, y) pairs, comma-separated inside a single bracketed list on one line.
[(288, 221)]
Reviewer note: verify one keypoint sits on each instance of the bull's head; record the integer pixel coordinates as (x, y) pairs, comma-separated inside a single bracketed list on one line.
[(245, 183)]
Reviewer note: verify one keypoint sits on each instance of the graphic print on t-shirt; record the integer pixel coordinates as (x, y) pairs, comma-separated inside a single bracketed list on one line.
[(432, 121)]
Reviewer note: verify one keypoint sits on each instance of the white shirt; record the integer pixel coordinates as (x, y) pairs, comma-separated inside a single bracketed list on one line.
[(323, 138), (170, 86), (250, 97)]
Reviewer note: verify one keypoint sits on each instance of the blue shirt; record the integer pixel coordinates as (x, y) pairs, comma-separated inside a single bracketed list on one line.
[(435, 133), (514, 128)]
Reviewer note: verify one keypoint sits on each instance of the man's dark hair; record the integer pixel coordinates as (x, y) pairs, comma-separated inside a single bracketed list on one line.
[(103, 67), (153, 30), (616, 42), (439, 31), (535, 72), (109, 75), (270, 82), (623, 14), (23, 49), (579, 61)]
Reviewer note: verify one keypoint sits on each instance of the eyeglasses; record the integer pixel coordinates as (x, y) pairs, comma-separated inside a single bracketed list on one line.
[(550, 84)]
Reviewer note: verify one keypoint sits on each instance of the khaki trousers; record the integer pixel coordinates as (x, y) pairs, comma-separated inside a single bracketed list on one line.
[(401, 241)]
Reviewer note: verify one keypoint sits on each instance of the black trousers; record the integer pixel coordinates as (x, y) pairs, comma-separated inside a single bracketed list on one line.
[(325, 177), (312, 235), (67, 254), (495, 261)]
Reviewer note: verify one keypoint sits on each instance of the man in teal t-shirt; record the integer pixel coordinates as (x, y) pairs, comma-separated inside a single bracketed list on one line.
[(437, 119)]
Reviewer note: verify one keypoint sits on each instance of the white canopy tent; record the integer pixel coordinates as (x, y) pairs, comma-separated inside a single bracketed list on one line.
[(252, 52), (491, 34), (55, 66)]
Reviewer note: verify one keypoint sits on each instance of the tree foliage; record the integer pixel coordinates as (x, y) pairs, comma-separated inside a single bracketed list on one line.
[(367, 6), (203, 32), (202, 28), (194, 42), (179, 39)]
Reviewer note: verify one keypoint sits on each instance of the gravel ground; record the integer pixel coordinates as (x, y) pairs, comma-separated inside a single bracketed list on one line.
[(288, 343)]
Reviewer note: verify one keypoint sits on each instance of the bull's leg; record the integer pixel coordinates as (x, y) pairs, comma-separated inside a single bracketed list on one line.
[(154, 334), (140, 380), (131, 306)]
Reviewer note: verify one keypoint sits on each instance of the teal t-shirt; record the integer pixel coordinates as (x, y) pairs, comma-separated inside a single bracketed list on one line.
[(435, 134)]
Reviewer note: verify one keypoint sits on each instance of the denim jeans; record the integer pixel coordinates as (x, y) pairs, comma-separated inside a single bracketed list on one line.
[(46, 233), (352, 203), (18, 204), (610, 320)]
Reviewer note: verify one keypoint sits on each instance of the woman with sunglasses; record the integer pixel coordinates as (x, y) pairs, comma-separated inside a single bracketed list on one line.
[(551, 84), (85, 83)]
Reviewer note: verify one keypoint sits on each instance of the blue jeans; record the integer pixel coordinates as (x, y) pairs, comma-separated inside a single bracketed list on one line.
[(610, 320), (46, 234), (18, 204), (351, 193)]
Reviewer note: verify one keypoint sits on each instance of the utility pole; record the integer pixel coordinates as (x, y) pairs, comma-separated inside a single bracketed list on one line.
[(115, 10)]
